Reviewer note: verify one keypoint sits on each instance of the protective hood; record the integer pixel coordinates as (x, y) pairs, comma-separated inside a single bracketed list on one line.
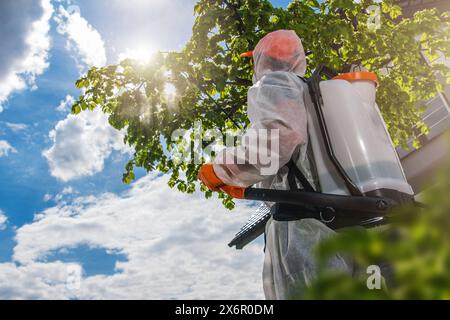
[(280, 50)]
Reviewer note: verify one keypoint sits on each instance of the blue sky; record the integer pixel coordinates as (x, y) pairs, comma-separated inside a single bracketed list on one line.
[(62, 202)]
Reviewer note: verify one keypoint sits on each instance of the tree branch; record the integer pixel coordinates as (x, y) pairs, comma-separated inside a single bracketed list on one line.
[(237, 16), (241, 82)]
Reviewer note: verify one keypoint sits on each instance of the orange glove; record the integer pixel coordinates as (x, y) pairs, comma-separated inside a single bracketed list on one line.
[(209, 178), (234, 192), (207, 175)]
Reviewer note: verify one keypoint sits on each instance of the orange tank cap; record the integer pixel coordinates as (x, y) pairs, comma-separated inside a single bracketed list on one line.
[(248, 54), (358, 75)]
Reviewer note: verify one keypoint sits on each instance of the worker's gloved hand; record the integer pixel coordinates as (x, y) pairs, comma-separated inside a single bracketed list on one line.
[(209, 178), (234, 192)]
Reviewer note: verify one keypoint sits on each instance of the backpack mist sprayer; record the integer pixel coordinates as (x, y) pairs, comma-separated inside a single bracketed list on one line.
[(360, 175)]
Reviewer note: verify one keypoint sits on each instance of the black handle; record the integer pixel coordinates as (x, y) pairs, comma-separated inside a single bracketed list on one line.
[(369, 205)]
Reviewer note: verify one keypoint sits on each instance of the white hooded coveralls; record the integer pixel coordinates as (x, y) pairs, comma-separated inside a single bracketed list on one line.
[(277, 101)]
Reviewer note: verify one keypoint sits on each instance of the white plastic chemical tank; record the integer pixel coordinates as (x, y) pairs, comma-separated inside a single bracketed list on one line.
[(359, 138)]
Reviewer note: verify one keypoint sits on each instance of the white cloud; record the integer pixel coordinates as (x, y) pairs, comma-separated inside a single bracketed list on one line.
[(3, 220), (47, 197), (24, 32), (81, 144), (5, 148), (176, 245), (32, 282), (82, 38), (16, 127), (64, 193), (66, 104), (68, 190)]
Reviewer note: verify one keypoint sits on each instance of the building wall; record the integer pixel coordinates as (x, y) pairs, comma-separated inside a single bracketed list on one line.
[(411, 6)]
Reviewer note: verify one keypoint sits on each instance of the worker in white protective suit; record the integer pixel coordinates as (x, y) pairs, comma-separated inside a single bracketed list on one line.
[(277, 101)]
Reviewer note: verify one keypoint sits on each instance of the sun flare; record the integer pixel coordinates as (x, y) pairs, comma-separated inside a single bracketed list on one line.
[(140, 54)]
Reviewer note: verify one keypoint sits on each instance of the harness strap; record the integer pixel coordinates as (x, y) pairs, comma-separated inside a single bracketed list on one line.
[(295, 172)]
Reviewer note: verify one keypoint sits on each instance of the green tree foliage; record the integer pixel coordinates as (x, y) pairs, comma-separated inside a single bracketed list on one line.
[(211, 80), (416, 244)]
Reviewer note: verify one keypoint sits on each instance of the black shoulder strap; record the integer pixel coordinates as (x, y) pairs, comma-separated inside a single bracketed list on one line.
[(295, 172), (291, 176)]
